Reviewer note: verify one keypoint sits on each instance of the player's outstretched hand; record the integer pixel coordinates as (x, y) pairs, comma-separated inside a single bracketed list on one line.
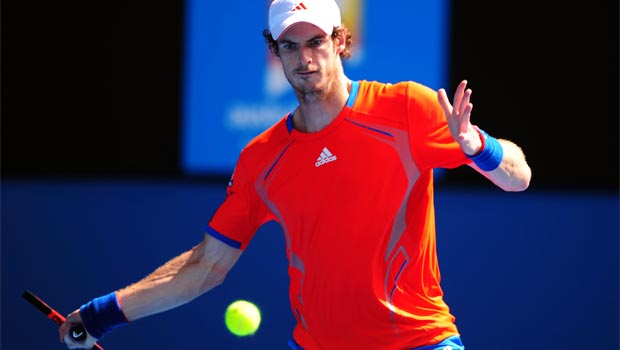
[(65, 328), (457, 116)]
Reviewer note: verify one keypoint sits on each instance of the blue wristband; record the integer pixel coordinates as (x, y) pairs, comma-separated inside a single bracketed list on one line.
[(491, 154), (102, 315)]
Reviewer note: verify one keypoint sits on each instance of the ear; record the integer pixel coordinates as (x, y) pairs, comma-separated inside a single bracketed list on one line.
[(340, 42), (273, 49)]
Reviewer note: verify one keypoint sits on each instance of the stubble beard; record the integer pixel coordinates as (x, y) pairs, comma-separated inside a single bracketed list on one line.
[(309, 91)]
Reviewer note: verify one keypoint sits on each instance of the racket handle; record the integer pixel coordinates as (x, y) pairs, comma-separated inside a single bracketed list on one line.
[(78, 333)]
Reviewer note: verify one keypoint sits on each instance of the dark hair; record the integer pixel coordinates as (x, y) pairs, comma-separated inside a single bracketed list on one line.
[(338, 31)]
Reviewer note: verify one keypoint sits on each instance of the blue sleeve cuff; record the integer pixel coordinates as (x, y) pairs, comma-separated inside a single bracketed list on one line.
[(220, 237), (491, 154)]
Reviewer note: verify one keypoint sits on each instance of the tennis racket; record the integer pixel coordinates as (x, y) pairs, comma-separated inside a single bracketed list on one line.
[(77, 332)]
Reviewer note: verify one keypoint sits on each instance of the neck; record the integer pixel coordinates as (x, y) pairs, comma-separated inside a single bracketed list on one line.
[(316, 111)]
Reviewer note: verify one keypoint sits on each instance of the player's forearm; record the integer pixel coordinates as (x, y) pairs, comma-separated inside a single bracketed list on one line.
[(513, 173), (175, 283)]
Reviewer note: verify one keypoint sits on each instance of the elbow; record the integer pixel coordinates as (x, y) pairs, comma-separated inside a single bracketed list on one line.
[(204, 275), (519, 186), (215, 273), (202, 283), (520, 183), (526, 177), (215, 260), (516, 171), (217, 276), (211, 281)]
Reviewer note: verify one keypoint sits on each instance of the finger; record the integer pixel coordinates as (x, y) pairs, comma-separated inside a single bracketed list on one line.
[(72, 344), (68, 342), (62, 330), (465, 118), (465, 101), (458, 96), (444, 102)]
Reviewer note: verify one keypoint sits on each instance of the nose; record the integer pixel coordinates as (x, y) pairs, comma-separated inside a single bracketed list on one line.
[(305, 56)]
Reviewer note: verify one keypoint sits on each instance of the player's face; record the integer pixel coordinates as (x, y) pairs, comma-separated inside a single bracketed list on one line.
[(309, 59)]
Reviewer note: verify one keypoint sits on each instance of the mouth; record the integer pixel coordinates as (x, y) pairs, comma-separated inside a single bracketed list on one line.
[(305, 72)]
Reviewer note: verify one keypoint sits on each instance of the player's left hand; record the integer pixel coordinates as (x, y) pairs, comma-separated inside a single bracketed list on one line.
[(457, 116)]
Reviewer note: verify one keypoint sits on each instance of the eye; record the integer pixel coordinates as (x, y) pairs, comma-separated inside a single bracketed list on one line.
[(316, 42), (288, 46)]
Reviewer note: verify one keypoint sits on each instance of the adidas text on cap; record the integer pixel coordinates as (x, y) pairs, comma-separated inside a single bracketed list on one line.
[(324, 14)]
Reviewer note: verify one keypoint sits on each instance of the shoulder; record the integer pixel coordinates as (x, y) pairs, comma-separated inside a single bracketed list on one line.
[(274, 135), (378, 93), (262, 148), (395, 100), (401, 89)]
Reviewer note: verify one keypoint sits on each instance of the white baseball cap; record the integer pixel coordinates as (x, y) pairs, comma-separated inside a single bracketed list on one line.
[(324, 14)]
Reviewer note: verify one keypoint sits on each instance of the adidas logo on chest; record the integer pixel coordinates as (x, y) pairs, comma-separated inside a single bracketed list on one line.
[(325, 157)]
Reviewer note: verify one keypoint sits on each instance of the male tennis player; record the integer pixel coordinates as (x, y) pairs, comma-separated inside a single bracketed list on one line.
[(349, 176)]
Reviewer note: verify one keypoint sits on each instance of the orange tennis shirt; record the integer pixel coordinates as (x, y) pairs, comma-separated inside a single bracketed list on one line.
[(355, 202)]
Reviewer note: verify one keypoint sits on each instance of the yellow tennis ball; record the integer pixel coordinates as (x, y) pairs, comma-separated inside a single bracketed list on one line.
[(242, 318)]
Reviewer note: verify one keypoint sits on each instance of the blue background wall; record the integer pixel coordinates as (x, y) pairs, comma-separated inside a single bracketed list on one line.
[(94, 194), (540, 273)]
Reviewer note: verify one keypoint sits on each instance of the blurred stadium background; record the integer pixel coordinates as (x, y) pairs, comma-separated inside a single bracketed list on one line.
[(121, 122)]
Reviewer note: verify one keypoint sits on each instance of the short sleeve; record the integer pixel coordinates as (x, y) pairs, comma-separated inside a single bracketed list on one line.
[(242, 212), (432, 144)]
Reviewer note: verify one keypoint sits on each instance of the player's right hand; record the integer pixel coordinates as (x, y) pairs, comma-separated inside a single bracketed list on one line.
[(64, 331)]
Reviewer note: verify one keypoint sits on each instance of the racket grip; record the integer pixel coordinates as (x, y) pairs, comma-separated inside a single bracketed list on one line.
[(78, 333)]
